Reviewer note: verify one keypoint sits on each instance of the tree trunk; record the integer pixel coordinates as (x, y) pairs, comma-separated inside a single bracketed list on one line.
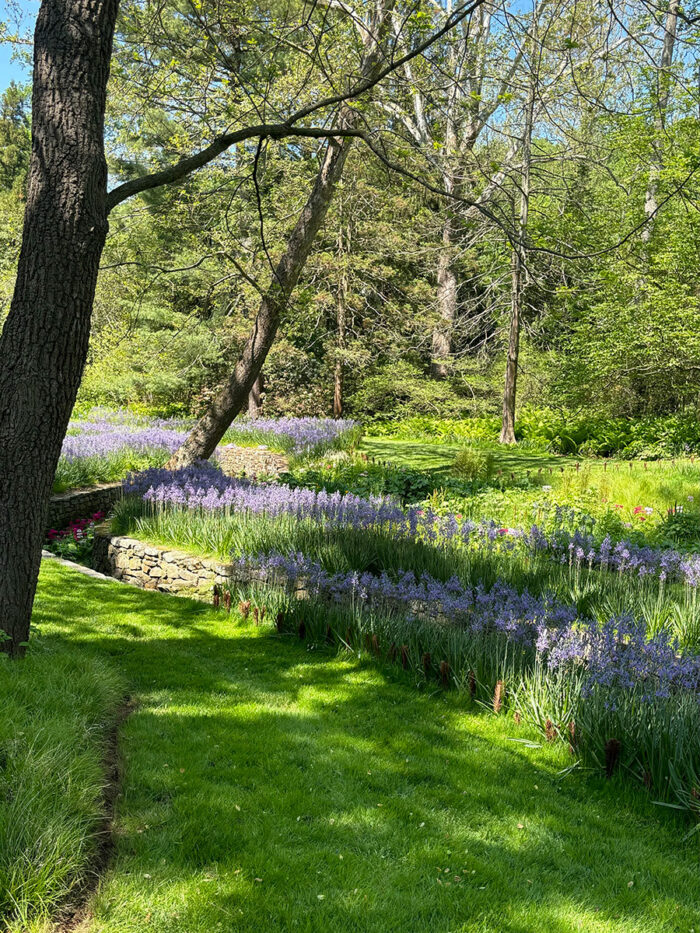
[(341, 317), (518, 265), (45, 338), (255, 399), (509, 393), (446, 303), (651, 203), (206, 434)]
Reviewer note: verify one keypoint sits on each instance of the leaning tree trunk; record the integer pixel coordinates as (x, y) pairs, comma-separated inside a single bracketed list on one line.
[(45, 338), (231, 399), (208, 431)]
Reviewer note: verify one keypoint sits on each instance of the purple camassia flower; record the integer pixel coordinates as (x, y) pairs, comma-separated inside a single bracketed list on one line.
[(105, 432), (502, 609), (617, 655), (104, 443), (203, 486), (304, 434)]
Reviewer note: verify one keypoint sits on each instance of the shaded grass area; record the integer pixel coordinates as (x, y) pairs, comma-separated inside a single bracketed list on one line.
[(594, 486), (57, 708), (439, 457), (270, 787)]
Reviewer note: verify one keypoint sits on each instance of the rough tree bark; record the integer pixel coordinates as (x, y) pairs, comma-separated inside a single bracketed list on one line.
[(201, 442), (45, 338)]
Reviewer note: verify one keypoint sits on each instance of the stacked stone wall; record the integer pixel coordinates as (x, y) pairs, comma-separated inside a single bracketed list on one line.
[(66, 507)]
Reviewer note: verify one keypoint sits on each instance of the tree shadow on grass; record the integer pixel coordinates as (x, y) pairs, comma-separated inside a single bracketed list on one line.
[(249, 757)]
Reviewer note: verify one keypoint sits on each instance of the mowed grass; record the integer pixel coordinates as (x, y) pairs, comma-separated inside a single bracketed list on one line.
[(271, 787), (593, 485)]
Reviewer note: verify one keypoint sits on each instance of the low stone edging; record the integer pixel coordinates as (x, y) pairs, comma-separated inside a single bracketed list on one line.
[(66, 507), (252, 461)]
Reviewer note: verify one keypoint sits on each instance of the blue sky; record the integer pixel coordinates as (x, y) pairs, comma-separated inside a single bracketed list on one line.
[(18, 15)]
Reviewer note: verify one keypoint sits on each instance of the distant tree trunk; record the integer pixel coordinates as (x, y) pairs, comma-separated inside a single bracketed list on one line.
[(518, 266), (651, 203), (255, 397), (446, 303), (341, 320), (231, 399), (45, 338)]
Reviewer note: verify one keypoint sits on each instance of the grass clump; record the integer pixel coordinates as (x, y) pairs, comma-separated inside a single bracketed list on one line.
[(57, 710), (472, 464)]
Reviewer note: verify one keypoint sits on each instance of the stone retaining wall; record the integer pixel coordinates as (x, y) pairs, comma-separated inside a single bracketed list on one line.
[(252, 461), (66, 507), (154, 567)]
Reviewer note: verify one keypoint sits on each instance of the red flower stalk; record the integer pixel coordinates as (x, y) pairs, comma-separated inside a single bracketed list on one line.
[(612, 756), (329, 635), (244, 608), (255, 615), (498, 695), (375, 646), (227, 600), (279, 621), (472, 684), (404, 657), (550, 730), (392, 652), (572, 733), (426, 663), (444, 674), (647, 780), (517, 718), (217, 596)]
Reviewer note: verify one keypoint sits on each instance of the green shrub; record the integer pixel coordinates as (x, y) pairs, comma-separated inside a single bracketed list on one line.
[(471, 464)]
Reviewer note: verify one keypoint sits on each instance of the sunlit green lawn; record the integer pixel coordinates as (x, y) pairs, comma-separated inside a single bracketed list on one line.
[(268, 787)]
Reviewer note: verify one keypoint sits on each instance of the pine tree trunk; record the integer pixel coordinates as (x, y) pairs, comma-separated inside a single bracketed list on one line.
[(255, 398), (509, 392), (45, 338)]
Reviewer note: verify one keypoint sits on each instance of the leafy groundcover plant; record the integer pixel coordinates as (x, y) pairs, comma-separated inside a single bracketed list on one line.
[(75, 542)]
